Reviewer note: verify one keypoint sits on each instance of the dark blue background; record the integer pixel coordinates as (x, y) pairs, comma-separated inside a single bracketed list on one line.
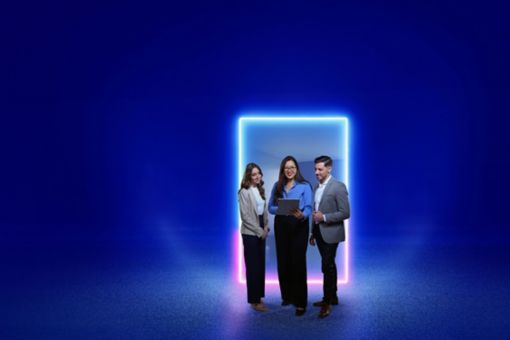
[(115, 117)]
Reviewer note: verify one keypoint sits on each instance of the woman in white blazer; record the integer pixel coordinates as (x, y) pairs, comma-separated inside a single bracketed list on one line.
[(254, 230)]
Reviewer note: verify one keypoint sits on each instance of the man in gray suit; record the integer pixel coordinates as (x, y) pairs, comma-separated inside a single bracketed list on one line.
[(331, 208)]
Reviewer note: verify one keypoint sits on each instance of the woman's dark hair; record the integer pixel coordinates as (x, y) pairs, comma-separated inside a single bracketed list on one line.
[(282, 179), (246, 181)]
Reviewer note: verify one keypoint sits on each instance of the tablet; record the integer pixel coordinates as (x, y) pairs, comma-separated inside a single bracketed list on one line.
[(286, 205)]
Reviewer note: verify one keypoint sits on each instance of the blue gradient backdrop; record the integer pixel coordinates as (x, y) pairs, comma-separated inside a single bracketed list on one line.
[(116, 117)]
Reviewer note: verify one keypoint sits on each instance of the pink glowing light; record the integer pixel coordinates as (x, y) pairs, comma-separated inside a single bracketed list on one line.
[(345, 255)]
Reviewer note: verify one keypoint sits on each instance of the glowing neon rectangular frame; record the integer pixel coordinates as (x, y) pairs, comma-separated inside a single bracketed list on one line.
[(240, 169)]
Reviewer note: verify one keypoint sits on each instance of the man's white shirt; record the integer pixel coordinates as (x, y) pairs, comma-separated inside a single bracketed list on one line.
[(318, 194)]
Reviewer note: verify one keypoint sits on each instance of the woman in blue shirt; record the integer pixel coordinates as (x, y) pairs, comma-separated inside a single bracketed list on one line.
[(291, 234)]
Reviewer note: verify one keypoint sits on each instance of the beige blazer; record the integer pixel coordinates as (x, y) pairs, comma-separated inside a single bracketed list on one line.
[(249, 217)]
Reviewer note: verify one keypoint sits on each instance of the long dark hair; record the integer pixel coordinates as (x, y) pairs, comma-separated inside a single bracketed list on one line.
[(246, 181), (282, 179)]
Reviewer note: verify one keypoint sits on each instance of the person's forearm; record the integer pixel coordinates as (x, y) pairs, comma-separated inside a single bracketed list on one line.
[(336, 217), (307, 211)]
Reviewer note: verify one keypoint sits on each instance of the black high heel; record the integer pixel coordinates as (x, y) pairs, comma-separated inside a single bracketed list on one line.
[(300, 311)]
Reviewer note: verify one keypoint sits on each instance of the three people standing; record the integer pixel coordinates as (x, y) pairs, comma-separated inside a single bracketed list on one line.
[(331, 206)]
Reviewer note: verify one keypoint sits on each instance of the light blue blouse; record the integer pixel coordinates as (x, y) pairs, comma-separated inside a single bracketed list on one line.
[(301, 191)]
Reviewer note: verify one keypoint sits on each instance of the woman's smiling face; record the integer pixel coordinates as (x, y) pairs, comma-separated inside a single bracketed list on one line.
[(256, 177), (290, 170)]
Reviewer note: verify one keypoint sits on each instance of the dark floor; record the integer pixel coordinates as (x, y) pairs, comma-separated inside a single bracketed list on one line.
[(398, 290)]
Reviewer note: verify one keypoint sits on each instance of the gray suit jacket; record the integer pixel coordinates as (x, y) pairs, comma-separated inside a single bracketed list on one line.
[(249, 217), (335, 205)]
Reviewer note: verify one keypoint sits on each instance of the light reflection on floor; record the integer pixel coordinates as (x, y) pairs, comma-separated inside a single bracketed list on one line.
[(437, 291)]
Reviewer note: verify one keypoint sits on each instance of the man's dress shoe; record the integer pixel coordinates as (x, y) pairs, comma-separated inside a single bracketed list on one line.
[(259, 307), (325, 311), (321, 303)]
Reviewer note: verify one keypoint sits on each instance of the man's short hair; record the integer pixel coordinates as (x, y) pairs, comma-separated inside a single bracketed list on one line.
[(324, 159)]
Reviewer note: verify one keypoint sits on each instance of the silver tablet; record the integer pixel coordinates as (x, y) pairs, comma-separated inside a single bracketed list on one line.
[(286, 205)]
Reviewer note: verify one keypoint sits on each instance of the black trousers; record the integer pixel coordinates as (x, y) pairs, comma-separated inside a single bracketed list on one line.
[(255, 264), (328, 266), (291, 237)]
